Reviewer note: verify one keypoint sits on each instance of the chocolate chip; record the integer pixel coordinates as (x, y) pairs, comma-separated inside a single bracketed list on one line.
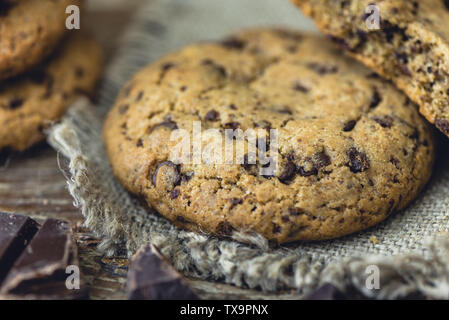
[(289, 173), (321, 160), (298, 86), (38, 76), (322, 69), (349, 126), (446, 3), (5, 7), (174, 193), (232, 107), (219, 68), (276, 228), (234, 202), (295, 211), (166, 124), (384, 122), (139, 96), (443, 125), (233, 43), (224, 228), (375, 99), (177, 178), (285, 110), (232, 125), (15, 103), (373, 75), (139, 143), (290, 35), (395, 161), (405, 70), (212, 116), (167, 66), (79, 72), (123, 108), (358, 161), (183, 88)]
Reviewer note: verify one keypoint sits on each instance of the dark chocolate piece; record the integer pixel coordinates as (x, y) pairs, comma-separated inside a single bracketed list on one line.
[(15, 233), (40, 271), (151, 277)]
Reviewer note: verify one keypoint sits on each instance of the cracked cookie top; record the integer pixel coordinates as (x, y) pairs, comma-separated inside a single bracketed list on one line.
[(351, 149)]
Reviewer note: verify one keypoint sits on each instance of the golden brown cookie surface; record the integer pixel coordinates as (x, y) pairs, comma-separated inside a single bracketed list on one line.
[(352, 148), (29, 31), (31, 101), (409, 47)]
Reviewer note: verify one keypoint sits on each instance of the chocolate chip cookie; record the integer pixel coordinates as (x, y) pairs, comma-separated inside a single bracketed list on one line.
[(351, 148), (409, 45), (30, 102), (29, 31)]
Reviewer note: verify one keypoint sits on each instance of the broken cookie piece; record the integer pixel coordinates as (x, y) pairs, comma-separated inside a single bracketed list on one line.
[(404, 41)]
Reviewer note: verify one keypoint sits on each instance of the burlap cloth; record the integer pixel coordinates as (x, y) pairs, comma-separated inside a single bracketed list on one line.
[(410, 249)]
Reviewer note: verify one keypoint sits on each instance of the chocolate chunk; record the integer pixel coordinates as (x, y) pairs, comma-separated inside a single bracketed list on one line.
[(165, 124), (234, 202), (321, 160), (276, 228), (79, 72), (224, 228), (285, 110), (349, 126), (41, 268), (298, 86), (151, 277), (15, 233), (5, 7), (375, 99), (123, 108), (176, 179), (358, 161), (443, 125), (174, 194), (326, 292), (295, 211), (384, 122), (322, 69), (38, 76), (167, 66), (289, 173), (405, 70), (15, 103), (232, 125), (212, 116), (233, 43), (446, 3), (139, 96), (219, 68)]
